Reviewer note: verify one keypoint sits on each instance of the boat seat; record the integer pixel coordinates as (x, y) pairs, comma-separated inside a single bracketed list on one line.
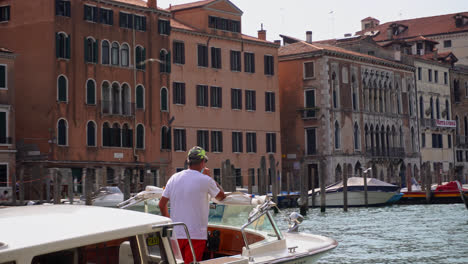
[(223, 260)]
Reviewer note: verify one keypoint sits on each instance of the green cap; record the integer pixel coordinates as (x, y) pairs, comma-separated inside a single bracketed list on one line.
[(197, 154)]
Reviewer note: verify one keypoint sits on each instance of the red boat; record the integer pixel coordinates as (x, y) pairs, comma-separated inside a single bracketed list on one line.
[(448, 190), (445, 193)]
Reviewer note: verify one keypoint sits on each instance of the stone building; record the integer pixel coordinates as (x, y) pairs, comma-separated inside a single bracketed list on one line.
[(7, 119), (224, 91), (459, 100), (88, 85), (351, 110), (450, 32)]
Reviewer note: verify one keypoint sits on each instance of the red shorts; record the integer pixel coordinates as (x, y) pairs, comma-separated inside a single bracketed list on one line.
[(198, 246)]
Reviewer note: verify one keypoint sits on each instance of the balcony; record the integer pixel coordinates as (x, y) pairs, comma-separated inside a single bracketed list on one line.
[(386, 152), (115, 108), (309, 112)]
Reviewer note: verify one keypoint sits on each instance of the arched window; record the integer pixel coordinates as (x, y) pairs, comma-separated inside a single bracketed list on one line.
[(91, 50), (106, 135), (126, 100), (62, 131), (62, 89), (337, 136), (165, 138), (105, 50), (91, 134), (115, 53), (91, 92), (106, 98), (356, 136), (164, 61), (437, 108), (140, 97), (447, 110), (125, 55), (127, 136), (140, 54), (140, 138), (421, 107), (115, 99), (164, 99), (62, 45), (116, 135)]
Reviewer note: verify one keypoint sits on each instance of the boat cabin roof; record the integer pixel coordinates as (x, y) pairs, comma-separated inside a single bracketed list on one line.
[(48, 228)]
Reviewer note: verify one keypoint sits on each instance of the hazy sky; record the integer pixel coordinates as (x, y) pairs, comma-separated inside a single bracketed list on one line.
[(329, 18)]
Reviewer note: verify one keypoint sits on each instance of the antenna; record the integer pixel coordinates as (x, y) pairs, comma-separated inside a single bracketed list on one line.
[(332, 18)]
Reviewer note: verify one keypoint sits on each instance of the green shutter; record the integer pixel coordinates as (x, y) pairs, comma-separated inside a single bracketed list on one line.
[(168, 62), (95, 51), (57, 45), (67, 47)]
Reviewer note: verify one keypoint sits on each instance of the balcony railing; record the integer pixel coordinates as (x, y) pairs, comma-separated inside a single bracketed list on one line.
[(385, 152), (309, 113), (115, 108)]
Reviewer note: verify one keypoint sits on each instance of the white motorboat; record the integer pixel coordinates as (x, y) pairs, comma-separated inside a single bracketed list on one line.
[(107, 196), (241, 228), (378, 193)]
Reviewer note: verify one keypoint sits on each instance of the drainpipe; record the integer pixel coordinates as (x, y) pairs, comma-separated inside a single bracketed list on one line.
[(135, 156), (418, 122)]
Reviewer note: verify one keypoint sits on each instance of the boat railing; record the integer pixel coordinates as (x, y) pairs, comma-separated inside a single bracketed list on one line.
[(166, 232)]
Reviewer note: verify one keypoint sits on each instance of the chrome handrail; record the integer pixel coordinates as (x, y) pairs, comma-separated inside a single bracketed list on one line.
[(186, 232)]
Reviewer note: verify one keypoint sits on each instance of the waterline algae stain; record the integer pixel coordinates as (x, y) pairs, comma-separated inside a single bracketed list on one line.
[(394, 234)]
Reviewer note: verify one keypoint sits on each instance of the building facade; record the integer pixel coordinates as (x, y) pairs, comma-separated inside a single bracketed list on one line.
[(88, 82), (224, 91), (350, 110), (7, 120), (459, 99)]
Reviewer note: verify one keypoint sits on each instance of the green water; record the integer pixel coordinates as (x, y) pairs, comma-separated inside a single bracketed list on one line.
[(394, 234)]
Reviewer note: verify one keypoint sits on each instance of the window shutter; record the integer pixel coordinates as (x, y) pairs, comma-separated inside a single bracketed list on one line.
[(168, 62), (86, 51), (265, 62), (169, 139), (95, 51), (184, 143), (183, 92), (174, 93), (273, 102), (3, 128), (86, 12), (68, 9), (57, 45), (169, 28), (143, 58), (111, 14), (274, 143), (143, 20), (131, 19), (241, 144), (233, 141), (220, 96), (96, 14), (67, 47), (220, 141), (253, 63), (255, 143), (3, 76), (121, 15), (232, 99)]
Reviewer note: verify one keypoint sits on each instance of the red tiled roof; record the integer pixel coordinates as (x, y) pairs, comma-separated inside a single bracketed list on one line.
[(421, 38), (190, 5), (369, 18), (424, 26), (447, 56), (304, 47)]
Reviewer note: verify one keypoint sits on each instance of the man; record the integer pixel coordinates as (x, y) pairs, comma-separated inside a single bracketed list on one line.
[(188, 192)]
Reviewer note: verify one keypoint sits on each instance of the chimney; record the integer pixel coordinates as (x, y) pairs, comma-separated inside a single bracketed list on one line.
[(152, 4), (309, 36), (278, 42), (262, 33)]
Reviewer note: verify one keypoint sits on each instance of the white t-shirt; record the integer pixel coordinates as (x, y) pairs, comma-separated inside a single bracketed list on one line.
[(188, 193)]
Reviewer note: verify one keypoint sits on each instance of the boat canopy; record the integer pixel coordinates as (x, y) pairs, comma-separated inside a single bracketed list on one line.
[(357, 184)]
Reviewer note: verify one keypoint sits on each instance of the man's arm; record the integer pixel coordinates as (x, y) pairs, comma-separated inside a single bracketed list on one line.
[(163, 206), (220, 196)]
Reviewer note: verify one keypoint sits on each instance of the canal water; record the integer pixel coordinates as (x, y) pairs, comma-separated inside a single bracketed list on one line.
[(393, 234)]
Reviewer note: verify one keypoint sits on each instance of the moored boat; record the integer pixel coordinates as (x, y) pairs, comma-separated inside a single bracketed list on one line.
[(378, 193)]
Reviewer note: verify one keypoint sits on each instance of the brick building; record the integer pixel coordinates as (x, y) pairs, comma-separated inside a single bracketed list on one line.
[(224, 90), (7, 119), (88, 84), (348, 109)]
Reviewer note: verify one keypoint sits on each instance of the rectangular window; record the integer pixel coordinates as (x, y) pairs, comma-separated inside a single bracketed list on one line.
[(164, 27), (269, 65), (179, 93), (250, 103), (447, 43), (269, 101), (311, 147), (215, 58), (445, 78), (249, 62), (4, 129), (217, 175), (236, 99), (3, 175), (235, 61), (436, 76), (224, 24), (4, 13), (179, 52), (237, 142), (216, 141), (140, 23), (202, 95), (62, 8), (419, 73), (202, 52), (251, 142), (90, 13), (203, 139), (309, 104), (216, 97), (437, 141), (423, 140), (309, 70), (125, 20), (429, 73), (271, 142), (3, 77), (449, 141), (179, 140), (106, 16)]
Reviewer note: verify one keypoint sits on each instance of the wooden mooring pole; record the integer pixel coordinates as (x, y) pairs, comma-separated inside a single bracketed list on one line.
[(345, 189), (366, 199), (323, 169), (304, 205), (274, 180), (428, 182)]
